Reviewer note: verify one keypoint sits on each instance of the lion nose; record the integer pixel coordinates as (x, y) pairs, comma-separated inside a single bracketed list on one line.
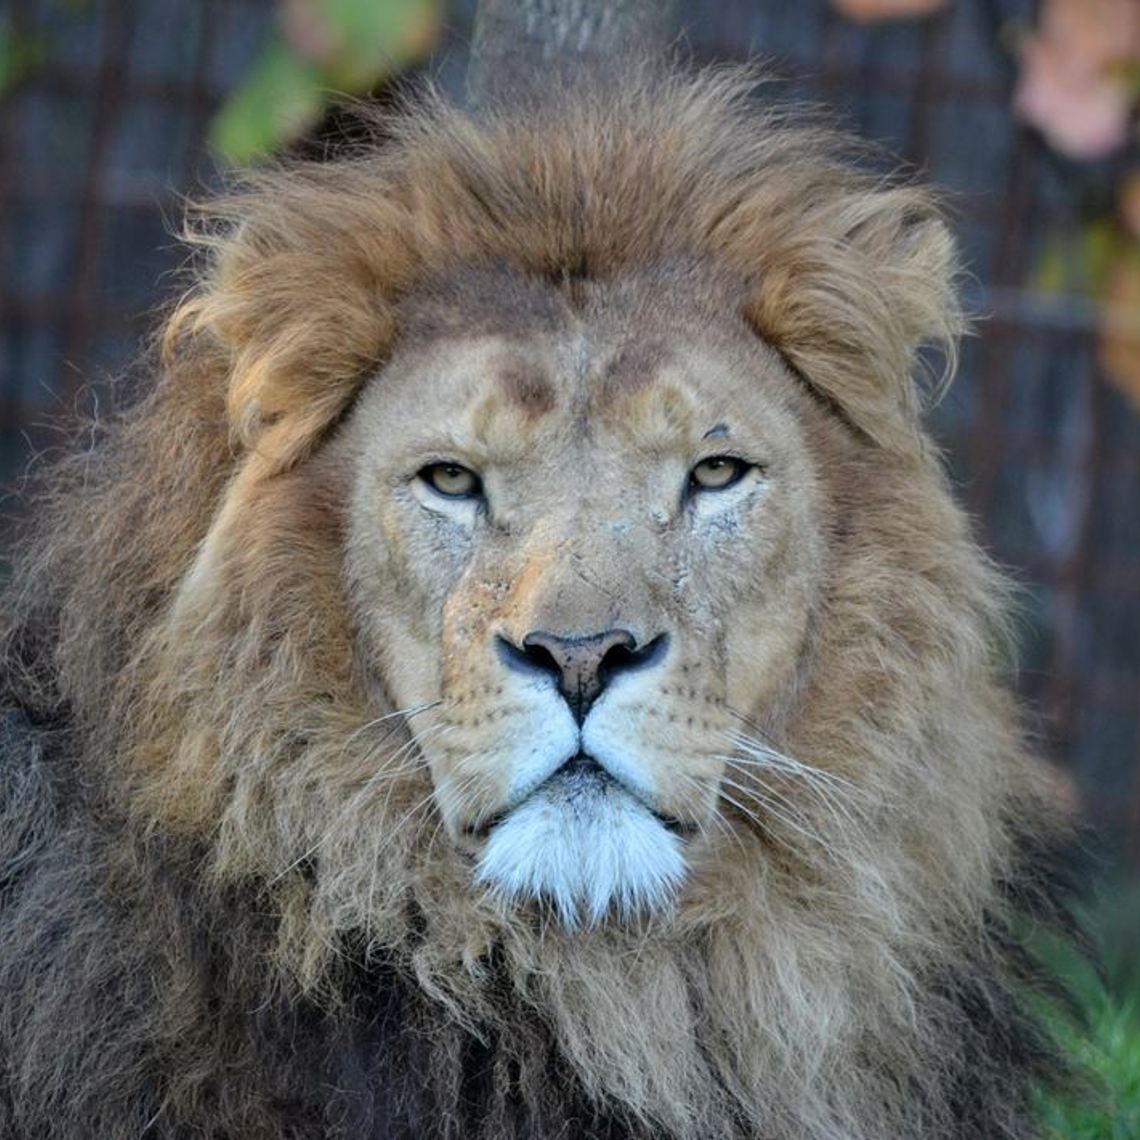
[(582, 666)]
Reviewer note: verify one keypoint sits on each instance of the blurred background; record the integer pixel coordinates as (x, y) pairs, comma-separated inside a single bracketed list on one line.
[(112, 110)]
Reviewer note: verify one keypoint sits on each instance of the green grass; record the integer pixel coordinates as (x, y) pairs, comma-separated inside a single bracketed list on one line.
[(1100, 1033)]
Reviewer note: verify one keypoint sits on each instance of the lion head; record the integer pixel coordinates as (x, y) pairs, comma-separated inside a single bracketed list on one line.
[(531, 566), (610, 540)]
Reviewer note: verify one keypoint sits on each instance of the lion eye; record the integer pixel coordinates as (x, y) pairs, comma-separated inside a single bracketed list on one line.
[(452, 480), (716, 473)]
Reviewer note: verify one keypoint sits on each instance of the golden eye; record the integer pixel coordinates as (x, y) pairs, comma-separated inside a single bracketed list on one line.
[(717, 472), (452, 480)]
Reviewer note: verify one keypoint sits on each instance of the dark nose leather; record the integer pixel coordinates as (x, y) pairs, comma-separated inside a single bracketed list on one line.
[(582, 666)]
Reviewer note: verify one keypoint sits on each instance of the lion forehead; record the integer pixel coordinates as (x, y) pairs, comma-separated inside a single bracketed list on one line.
[(639, 359)]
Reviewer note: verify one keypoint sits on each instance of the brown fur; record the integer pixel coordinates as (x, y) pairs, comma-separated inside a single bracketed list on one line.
[(215, 922)]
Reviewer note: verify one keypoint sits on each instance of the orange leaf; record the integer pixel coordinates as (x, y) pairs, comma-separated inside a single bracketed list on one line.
[(871, 11)]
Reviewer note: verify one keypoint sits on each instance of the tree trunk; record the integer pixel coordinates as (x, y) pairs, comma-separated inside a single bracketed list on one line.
[(520, 44)]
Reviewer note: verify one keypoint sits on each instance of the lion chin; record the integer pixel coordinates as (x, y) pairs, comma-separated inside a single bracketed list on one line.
[(520, 671), (586, 846)]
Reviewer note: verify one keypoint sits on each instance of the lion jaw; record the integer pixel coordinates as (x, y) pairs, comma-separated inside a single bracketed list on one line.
[(584, 844), (580, 831)]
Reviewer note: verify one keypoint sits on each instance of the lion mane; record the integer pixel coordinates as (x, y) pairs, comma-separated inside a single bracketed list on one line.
[(214, 923)]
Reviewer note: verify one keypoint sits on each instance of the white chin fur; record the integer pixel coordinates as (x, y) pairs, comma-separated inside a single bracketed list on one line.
[(584, 851)]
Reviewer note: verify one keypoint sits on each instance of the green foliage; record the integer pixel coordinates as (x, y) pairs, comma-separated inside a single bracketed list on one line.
[(1077, 261), (323, 47), (281, 96), (18, 55), (1100, 1032)]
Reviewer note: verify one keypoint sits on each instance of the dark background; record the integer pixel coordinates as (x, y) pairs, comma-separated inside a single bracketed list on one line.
[(101, 137)]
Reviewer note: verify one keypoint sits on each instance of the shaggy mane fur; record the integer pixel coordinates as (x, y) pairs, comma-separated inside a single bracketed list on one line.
[(212, 924)]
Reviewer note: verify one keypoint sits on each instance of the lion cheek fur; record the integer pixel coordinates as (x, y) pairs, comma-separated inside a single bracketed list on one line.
[(227, 905)]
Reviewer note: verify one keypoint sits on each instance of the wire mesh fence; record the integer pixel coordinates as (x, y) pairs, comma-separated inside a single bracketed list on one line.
[(102, 134)]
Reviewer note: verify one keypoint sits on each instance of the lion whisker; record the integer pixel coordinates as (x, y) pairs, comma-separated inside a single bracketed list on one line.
[(839, 806), (787, 817), (751, 722), (405, 713), (457, 789), (386, 841), (766, 752), (767, 794), (746, 812), (464, 786), (441, 731), (840, 794), (715, 819), (390, 772)]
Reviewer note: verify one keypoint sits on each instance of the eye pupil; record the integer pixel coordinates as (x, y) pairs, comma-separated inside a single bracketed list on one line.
[(717, 472), (452, 480)]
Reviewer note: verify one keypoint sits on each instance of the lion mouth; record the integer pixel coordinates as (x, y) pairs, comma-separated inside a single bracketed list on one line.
[(581, 777), (583, 846)]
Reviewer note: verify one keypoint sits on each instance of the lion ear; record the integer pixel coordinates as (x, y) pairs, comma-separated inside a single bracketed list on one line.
[(300, 324), (851, 298)]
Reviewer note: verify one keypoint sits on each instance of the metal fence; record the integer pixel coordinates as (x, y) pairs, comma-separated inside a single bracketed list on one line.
[(101, 136)]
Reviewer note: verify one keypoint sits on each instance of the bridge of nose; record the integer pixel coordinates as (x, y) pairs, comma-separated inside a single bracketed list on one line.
[(576, 587), (586, 554)]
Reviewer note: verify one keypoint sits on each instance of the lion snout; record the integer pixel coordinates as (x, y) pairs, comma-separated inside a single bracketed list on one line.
[(582, 665)]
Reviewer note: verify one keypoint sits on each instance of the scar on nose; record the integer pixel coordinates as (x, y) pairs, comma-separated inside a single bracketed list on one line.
[(527, 389)]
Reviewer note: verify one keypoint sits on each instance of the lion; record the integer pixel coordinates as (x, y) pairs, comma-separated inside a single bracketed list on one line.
[(520, 670)]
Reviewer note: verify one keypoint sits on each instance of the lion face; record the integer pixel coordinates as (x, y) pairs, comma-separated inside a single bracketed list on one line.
[(583, 567)]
